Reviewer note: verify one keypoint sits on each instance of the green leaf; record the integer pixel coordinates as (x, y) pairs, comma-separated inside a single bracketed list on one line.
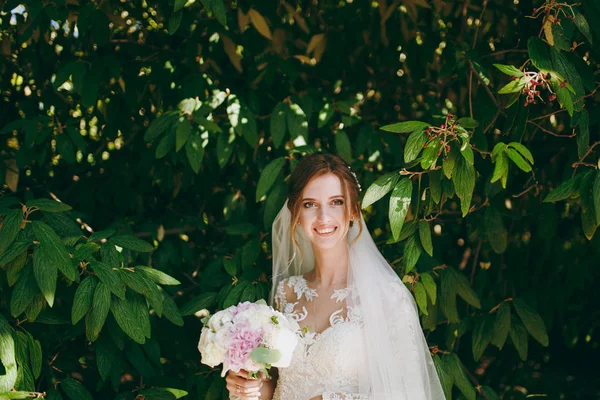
[(165, 145), (514, 86), (405, 127), (174, 22), (501, 326), (414, 145), (582, 24), (325, 114), (459, 376), (518, 159), (182, 133), (264, 355), (17, 249), (412, 253), (205, 300), (179, 4), (130, 317), (82, 301), (297, 122), (425, 236), (430, 154), (45, 273), (449, 163), (500, 159), (399, 205), (468, 155), (380, 188), (464, 183), (463, 287), (524, 151), (194, 152), (596, 197), (131, 242), (277, 124), (109, 277), (430, 286), (217, 8), (539, 53), (445, 378), (489, 393), (343, 146), (24, 291), (449, 289), (268, 177), (583, 134), (482, 335), (495, 231), (467, 122), (421, 297), (275, 200), (435, 186), (509, 70), (97, 316), (75, 389), (230, 266), (565, 99), (10, 229), (49, 255), (107, 356), (13, 270), (170, 310), (565, 190), (85, 251), (159, 126), (234, 295), (7, 356), (518, 335), (49, 205), (156, 276), (207, 124), (532, 321), (140, 284)]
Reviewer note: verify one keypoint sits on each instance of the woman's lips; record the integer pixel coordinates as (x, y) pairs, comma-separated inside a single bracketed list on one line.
[(326, 231)]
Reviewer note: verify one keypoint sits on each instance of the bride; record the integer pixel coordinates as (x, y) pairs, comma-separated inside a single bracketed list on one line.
[(361, 338)]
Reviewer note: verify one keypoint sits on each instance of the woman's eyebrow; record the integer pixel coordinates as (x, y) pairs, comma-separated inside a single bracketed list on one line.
[(332, 197)]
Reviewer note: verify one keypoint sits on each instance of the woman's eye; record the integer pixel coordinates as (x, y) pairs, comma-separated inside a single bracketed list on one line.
[(338, 202), (308, 205)]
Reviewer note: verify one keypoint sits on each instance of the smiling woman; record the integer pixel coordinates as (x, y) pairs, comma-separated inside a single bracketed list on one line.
[(360, 335)]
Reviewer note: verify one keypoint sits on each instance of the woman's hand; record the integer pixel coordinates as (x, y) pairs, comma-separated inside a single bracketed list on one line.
[(239, 385)]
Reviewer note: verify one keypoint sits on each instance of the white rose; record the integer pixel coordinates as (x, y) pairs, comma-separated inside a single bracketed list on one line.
[(212, 354), (285, 341), (220, 319)]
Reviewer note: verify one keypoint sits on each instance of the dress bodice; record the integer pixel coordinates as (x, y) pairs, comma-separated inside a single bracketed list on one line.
[(326, 363)]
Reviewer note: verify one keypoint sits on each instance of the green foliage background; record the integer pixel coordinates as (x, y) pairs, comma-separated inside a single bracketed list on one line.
[(169, 129)]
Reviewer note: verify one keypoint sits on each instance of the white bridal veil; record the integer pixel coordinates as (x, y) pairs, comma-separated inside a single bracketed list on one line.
[(399, 365)]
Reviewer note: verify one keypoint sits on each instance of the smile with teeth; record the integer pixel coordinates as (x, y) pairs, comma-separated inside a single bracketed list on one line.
[(326, 231)]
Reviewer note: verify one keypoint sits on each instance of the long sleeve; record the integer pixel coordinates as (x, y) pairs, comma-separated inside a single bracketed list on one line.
[(345, 396)]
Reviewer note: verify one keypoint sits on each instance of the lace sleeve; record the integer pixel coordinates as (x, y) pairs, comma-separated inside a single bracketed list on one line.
[(345, 396), (280, 297)]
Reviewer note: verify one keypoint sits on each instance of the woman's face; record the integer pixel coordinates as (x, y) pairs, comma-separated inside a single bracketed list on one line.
[(322, 211)]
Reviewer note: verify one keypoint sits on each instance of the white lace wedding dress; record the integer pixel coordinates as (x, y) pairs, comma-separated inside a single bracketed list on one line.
[(325, 363)]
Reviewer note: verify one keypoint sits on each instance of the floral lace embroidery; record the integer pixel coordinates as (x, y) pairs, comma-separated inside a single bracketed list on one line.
[(344, 396)]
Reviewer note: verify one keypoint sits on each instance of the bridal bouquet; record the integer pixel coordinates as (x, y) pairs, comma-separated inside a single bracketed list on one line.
[(250, 336)]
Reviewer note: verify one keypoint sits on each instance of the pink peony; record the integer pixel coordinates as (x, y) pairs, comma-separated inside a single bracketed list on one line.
[(242, 340)]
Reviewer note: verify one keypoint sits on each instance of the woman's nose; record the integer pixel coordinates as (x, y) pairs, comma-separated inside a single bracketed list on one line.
[(323, 214)]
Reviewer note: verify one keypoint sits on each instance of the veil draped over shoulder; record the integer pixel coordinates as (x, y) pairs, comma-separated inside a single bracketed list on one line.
[(399, 365)]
